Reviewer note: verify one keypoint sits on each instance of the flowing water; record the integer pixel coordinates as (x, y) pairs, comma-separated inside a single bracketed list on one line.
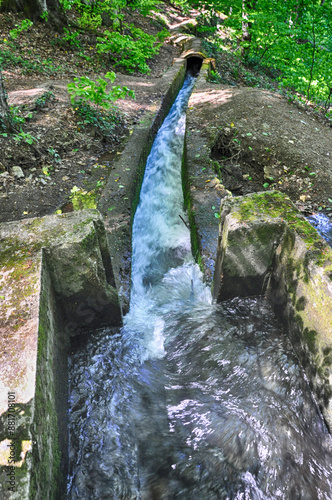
[(323, 224), (190, 400)]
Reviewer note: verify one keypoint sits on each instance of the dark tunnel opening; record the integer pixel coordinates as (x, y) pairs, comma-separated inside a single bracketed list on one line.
[(194, 65)]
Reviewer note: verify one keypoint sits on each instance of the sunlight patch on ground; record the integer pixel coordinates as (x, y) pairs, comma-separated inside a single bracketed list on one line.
[(213, 96)]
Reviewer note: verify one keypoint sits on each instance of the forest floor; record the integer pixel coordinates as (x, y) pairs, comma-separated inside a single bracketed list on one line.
[(262, 141)]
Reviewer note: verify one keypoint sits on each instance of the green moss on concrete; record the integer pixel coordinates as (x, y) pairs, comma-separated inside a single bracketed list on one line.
[(21, 254), (195, 242), (135, 195), (89, 241), (310, 337), (273, 204), (21, 265), (47, 480)]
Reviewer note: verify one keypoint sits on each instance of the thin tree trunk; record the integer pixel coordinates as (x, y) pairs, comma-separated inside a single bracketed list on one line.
[(5, 122), (313, 51), (246, 26)]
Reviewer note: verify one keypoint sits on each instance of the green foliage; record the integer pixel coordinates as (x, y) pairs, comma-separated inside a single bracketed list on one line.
[(16, 116), (72, 38), (291, 37), (25, 25), (55, 155), (9, 57), (207, 22), (44, 16), (103, 122), (26, 137), (144, 6), (84, 89), (90, 101), (90, 21), (44, 99), (130, 50), (127, 45), (215, 77)]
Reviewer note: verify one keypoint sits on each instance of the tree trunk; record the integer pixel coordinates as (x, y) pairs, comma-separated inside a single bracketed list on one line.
[(5, 122), (246, 26), (35, 10)]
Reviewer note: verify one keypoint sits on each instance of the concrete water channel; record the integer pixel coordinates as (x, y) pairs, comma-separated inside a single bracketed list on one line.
[(66, 275)]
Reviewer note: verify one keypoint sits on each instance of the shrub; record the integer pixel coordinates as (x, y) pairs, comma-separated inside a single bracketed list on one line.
[(84, 89), (131, 50)]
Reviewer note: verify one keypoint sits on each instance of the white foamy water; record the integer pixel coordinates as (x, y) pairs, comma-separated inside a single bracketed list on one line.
[(164, 275)]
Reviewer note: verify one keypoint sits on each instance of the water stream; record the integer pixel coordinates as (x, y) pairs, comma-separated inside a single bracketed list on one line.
[(190, 400), (323, 224)]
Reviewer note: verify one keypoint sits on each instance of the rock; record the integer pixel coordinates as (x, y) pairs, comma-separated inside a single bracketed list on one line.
[(17, 172), (270, 171)]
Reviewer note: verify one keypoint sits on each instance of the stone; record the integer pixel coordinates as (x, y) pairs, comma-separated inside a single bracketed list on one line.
[(17, 172)]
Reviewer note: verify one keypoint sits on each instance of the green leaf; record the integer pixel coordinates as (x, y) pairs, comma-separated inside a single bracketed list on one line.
[(217, 216)]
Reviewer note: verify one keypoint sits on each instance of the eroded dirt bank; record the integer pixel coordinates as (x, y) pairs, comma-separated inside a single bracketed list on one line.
[(256, 140)]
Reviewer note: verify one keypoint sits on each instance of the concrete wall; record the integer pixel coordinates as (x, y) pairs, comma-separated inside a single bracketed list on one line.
[(56, 282), (266, 246)]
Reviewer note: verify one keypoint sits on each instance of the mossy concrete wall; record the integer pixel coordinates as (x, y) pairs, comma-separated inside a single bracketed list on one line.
[(56, 282), (248, 238), (202, 190), (267, 247), (124, 196)]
